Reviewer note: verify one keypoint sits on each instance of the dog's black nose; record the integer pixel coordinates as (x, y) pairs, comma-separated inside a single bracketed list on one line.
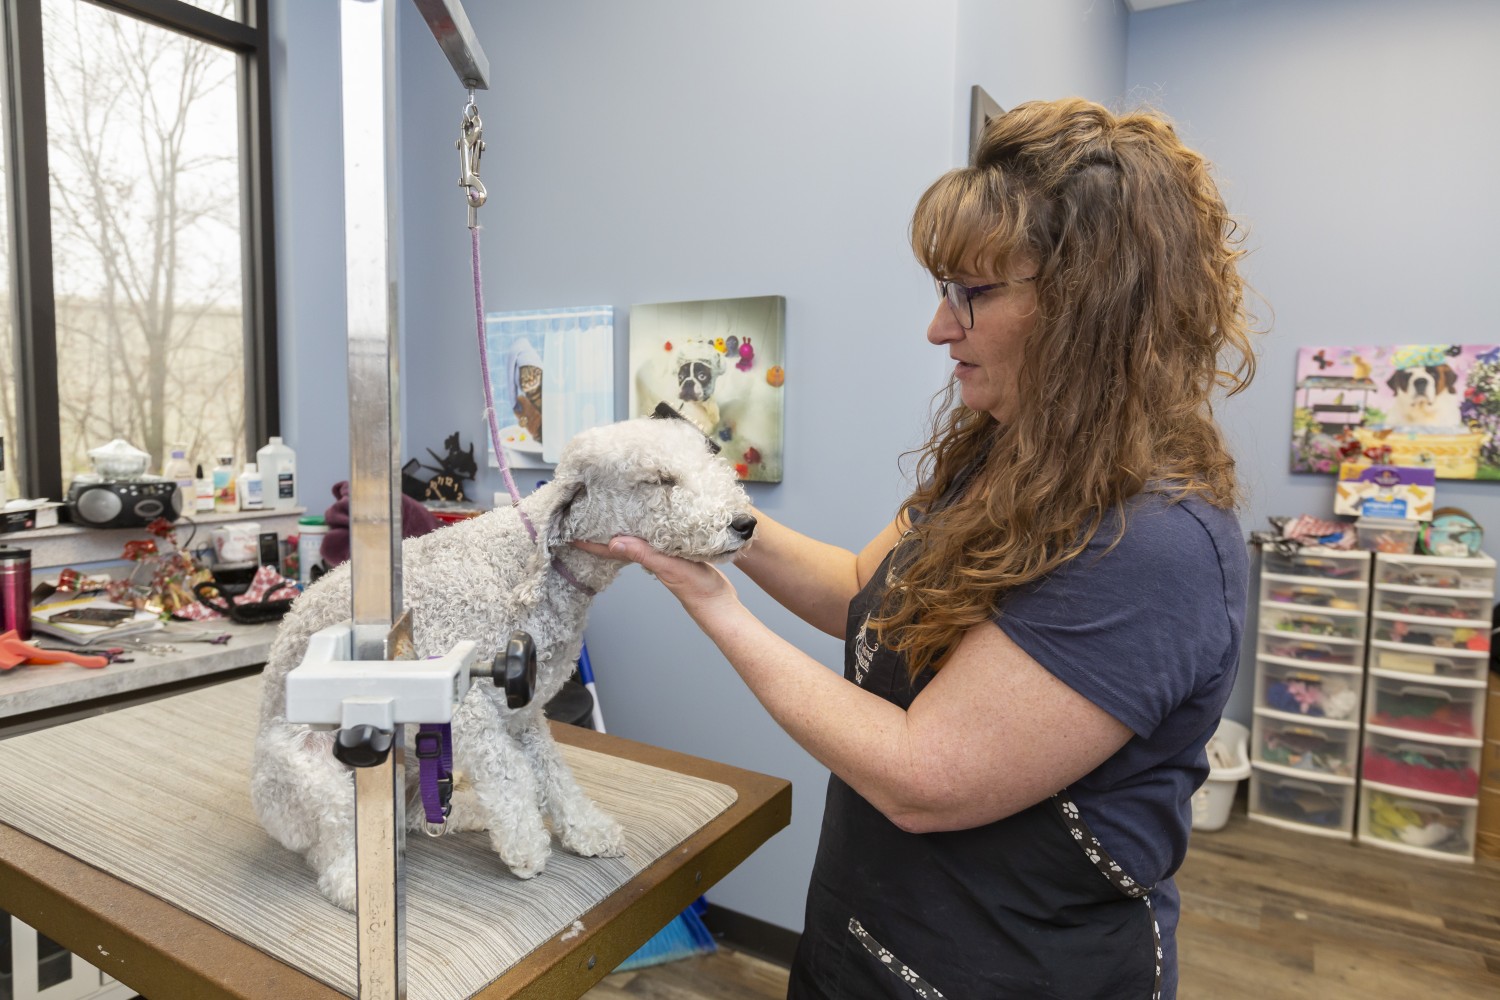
[(744, 526)]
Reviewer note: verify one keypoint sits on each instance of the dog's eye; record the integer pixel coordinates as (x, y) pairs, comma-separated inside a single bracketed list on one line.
[(661, 479)]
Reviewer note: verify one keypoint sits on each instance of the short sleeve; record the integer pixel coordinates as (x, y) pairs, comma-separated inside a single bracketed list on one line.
[(1138, 628)]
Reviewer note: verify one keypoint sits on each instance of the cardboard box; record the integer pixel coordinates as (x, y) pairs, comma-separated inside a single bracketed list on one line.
[(1492, 709), (1387, 491), (1487, 832), (1489, 765)]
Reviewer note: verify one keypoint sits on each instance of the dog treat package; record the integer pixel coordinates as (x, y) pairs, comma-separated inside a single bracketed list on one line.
[(1399, 491)]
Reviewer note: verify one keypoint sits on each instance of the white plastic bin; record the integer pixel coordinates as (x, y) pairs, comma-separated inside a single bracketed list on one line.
[(1212, 802)]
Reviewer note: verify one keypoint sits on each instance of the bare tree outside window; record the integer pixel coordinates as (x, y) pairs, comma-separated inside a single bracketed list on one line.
[(143, 142), (9, 481)]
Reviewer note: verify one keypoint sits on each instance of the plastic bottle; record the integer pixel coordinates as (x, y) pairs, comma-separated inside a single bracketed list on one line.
[(250, 488), (225, 501), (180, 471), (204, 490), (278, 469), (310, 532)]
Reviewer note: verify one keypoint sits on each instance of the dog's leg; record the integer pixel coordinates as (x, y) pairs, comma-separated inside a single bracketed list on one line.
[(503, 787), (579, 823), (305, 799)]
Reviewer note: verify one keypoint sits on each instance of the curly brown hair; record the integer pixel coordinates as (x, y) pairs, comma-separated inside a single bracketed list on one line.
[(1140, 317)]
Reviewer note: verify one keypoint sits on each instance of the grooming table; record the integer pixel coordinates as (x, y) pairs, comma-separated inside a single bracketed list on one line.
[(129, 839)]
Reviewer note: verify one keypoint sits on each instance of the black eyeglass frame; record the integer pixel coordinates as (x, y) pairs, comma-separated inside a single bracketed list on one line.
[(960, 298)]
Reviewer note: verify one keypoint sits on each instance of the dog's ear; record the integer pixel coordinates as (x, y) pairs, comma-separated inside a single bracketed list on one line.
[(550, 533), (1399, 380), (1446, 377)]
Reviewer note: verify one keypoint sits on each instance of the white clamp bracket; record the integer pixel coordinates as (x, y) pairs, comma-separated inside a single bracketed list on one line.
[(330, 688)]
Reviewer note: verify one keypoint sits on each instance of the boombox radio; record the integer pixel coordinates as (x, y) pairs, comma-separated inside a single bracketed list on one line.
[(129, 503)]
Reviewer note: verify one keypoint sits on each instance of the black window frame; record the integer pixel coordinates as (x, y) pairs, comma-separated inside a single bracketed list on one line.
[(29, 195)]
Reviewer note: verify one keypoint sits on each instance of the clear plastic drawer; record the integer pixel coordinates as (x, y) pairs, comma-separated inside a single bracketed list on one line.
[(1319, 694), (1318, 749), (1443, 711), (1442, 665), (1302, 802), (1430, 634), (1351, 566), (1419, 604), (1311, 594), (1425, 767), (1319, 623), (1297, 650), (1417, 825), (1432, 573)]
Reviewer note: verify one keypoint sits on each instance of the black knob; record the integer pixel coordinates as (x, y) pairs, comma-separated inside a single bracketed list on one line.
[(743, 525), (514, 669), (362, 746)]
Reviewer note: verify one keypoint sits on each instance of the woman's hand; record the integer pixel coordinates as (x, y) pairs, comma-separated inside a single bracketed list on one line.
[(700, 587)]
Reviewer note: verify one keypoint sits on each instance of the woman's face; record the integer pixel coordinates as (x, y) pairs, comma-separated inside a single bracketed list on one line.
[(988, 356)]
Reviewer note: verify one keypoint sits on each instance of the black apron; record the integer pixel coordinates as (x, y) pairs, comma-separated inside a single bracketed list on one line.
[(1030, 906)]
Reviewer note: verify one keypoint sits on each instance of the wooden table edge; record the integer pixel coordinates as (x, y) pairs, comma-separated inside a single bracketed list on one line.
[(162, 951)]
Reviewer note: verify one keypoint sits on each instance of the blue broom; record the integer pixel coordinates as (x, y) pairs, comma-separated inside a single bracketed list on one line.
[(686, 935)]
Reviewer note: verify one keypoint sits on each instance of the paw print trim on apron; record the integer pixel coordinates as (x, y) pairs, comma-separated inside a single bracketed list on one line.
[(1110, 869), (864, 651), (918, 985)]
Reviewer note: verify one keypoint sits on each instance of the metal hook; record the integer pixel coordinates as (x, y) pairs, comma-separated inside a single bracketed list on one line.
[(470, 147)]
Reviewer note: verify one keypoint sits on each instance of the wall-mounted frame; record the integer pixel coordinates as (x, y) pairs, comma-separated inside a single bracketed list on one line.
[(982, 107)]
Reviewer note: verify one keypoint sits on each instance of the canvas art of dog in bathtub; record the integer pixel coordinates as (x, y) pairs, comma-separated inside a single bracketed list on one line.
[(1425, 396), (480, 580)]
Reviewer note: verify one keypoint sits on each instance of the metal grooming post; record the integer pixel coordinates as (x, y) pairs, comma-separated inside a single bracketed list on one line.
[(368, 44)]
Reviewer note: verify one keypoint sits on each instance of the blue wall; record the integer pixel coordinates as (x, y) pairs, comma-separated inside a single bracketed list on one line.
[(1357, 139)]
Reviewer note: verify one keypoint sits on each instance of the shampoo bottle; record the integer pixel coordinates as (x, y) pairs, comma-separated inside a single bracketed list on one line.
[(250, 488), (180, 472), (225, 501), (278, 470), (204, 488)]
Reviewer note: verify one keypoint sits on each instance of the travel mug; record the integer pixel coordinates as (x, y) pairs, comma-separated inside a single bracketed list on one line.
[(15, 591)]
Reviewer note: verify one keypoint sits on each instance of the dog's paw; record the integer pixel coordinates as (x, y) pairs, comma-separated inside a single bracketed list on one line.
[(339, 886), (604, 838), (527, 867)]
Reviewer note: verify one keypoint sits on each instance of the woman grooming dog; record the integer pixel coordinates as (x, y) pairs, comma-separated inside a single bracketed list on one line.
[(1040, 644)]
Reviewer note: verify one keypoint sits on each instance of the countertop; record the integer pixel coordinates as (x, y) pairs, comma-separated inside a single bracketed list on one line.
[(33, 696)]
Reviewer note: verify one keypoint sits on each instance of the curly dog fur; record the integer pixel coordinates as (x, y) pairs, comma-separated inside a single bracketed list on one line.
[(481, 579)]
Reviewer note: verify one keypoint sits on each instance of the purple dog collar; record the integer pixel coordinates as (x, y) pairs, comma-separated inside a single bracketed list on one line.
[(434, 750)]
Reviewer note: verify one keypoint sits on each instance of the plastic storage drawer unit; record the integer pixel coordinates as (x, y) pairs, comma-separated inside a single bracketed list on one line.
[(1299, 651), (1443, 712), (1417, 824), (1297, 746), (1416, 765), (1304, 804)]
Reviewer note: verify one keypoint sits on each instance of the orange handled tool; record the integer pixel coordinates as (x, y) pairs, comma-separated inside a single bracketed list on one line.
[(14, 651)]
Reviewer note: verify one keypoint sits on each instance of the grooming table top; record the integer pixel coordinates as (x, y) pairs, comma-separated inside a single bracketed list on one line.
[(129, 838)]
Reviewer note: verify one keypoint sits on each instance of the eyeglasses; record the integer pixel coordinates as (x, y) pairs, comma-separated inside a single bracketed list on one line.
[(961, 297)]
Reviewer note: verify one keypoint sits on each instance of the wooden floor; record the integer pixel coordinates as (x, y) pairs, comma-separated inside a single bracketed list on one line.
[(1268, 914)]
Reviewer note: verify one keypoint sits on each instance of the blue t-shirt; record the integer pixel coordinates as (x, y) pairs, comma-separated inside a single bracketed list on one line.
[(1150, 632)]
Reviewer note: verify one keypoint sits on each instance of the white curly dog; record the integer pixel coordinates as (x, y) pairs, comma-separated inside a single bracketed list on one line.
[(481, 579)]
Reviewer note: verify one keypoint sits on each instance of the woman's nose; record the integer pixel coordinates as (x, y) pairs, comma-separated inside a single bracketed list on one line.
[(944, 327)]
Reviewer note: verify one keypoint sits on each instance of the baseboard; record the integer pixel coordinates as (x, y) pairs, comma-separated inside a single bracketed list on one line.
[(752, 935)]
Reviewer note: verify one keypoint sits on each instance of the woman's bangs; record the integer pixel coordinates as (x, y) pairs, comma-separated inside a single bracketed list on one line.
[(961, 226)]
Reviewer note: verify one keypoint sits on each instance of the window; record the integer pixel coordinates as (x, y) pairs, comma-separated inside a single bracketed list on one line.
[(139, 266)]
